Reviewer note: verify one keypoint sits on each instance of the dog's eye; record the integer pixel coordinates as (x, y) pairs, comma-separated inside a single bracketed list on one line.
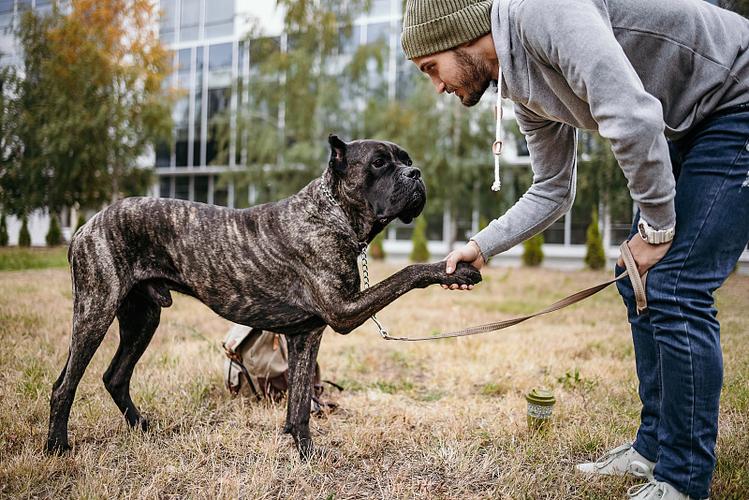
[(409, 162), (378, 163)]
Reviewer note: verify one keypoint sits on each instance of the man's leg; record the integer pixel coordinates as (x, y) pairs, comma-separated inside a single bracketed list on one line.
[(712, 229)]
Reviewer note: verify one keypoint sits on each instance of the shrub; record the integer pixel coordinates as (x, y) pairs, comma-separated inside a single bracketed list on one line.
[(81, 221), (420, 252), (376, 248), (54, 235), (3, 231), (533, 253), (24, 237), (595, 257)]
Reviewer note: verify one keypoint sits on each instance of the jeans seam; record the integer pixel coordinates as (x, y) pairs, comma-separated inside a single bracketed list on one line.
[(681, 315)]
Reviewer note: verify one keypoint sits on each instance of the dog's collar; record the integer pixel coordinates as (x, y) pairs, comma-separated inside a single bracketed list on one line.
[(360, 245)]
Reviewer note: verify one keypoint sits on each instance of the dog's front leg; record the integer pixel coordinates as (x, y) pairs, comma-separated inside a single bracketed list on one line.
[(344, 313), (302, 356)]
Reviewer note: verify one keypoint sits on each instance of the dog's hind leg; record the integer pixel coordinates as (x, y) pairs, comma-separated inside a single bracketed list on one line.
[(302, 356), (138, 316), (91, 319)]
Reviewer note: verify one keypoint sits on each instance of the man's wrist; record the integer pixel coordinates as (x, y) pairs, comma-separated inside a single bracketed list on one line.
[(478, 250), (652, 235)]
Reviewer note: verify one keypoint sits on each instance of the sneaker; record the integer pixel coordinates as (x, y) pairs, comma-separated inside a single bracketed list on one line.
[(656, 490), (618, 462)]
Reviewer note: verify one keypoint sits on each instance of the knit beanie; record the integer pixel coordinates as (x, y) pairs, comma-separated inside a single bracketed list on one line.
[(431, 26)]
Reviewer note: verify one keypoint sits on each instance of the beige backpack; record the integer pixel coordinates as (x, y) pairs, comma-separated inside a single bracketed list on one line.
[(257, 364)]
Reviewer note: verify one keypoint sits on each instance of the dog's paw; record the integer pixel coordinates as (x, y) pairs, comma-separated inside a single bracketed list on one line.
[(465, 274), (55, 447)]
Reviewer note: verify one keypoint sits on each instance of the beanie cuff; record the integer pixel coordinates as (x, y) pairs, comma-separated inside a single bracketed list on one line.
[(448, 31)]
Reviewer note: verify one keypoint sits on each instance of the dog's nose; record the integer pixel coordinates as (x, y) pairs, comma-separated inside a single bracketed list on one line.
[(412, 173)]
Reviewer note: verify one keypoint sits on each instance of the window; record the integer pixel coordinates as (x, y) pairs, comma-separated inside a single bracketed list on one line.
[(200, 188), (349, 38), (166, 20), (165, 186), (163, 154), (219, 18), (189, 20), (220, 193), (380, 8), (182, 187), (379, 32), (198, 108), (218, 101), (6, 6), (219, 57)]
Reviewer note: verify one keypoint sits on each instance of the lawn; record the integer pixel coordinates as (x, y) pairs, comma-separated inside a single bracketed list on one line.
[(441, 419)]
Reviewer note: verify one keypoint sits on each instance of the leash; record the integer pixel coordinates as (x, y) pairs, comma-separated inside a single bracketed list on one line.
[(638, 284), (631, 272)]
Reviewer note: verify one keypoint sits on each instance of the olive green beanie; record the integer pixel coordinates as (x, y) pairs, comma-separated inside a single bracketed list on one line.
[(431, 26)]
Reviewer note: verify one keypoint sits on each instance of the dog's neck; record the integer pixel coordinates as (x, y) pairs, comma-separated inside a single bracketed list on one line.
[(359, 214)]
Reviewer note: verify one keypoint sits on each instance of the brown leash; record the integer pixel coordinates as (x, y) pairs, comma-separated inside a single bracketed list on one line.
[(638, 283)]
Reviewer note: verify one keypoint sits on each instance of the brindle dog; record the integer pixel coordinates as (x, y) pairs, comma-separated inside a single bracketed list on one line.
[(288, 267)]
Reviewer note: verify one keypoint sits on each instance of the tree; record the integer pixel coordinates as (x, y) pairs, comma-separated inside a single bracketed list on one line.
[(54, 235), (376, 248), (3, 231), (533, 253), (24, 237), (97, 72), (419, 251), (595, 257)]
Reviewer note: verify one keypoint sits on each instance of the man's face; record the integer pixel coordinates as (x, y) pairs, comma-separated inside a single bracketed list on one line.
[(458, 72)]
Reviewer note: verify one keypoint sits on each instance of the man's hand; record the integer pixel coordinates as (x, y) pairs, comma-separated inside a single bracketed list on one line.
[(645, 254), (469, 253)]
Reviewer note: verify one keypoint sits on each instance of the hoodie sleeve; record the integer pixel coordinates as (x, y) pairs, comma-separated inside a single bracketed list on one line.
[(553, 189), (575, 38)]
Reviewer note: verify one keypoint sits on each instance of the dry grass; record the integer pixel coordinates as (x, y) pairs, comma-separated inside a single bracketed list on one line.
[(432, 420)]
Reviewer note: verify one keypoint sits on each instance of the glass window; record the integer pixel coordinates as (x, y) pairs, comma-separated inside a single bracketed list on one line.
[(180, 147), (348, 39), (166, 20), (200, 188), (189, 20), (182, 187), (6, 6), (183, 66), (165, 186), (198, 108), (380, 8), (163, 154), (378, 32), (220, 192), (219, 18), (218, 101), (219, 56), (24, 5), (43, 3)]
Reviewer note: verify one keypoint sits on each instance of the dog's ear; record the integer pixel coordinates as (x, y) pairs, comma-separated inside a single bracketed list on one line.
[(337, 154)]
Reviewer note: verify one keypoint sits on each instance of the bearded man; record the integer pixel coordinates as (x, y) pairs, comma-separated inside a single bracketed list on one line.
[(667, 83)]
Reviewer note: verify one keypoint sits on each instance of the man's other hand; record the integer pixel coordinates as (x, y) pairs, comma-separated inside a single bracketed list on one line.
[(645, 254), (469, 253)]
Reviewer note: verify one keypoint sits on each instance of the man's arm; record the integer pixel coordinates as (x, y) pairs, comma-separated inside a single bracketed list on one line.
[(574, 37), (552, 147)]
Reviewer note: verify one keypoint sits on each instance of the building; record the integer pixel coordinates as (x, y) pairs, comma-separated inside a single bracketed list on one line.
[(208, 39)]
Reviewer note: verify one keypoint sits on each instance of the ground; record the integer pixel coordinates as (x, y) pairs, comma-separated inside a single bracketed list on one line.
[(442, 419)]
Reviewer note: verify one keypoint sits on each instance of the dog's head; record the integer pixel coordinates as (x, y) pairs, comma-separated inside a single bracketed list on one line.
[(381, 174)]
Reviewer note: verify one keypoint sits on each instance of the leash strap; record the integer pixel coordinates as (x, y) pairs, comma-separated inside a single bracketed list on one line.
[(631, 272)]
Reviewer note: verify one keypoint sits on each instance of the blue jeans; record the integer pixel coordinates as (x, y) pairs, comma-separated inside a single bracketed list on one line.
[(677, 341)]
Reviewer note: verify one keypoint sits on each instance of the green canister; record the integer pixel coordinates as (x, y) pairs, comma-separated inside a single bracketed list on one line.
[(540, 406)]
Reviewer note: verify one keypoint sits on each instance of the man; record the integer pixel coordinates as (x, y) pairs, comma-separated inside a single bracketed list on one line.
[(653, 78)]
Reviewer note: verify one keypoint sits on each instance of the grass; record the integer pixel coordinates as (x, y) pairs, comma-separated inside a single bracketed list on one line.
[(439, 419), (18, 259)]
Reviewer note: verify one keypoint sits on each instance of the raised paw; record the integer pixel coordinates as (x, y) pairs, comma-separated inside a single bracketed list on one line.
[(464, 274)]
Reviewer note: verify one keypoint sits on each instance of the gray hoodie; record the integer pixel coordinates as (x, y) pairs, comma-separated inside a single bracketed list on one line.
[(637, 71)]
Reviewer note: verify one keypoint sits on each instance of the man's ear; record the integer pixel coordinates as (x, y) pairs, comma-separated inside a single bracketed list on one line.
[(337, 154)]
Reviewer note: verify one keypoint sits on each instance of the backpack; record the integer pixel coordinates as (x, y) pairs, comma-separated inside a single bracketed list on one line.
[(257, 364)]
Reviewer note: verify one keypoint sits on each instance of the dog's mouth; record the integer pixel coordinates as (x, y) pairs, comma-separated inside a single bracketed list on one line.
[(417, 199)]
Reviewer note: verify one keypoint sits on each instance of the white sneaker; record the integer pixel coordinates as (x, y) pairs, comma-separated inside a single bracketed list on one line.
[(656, 490), (618, 462)]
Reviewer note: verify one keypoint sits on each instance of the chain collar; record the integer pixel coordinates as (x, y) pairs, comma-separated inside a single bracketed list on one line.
[(362, 246)]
